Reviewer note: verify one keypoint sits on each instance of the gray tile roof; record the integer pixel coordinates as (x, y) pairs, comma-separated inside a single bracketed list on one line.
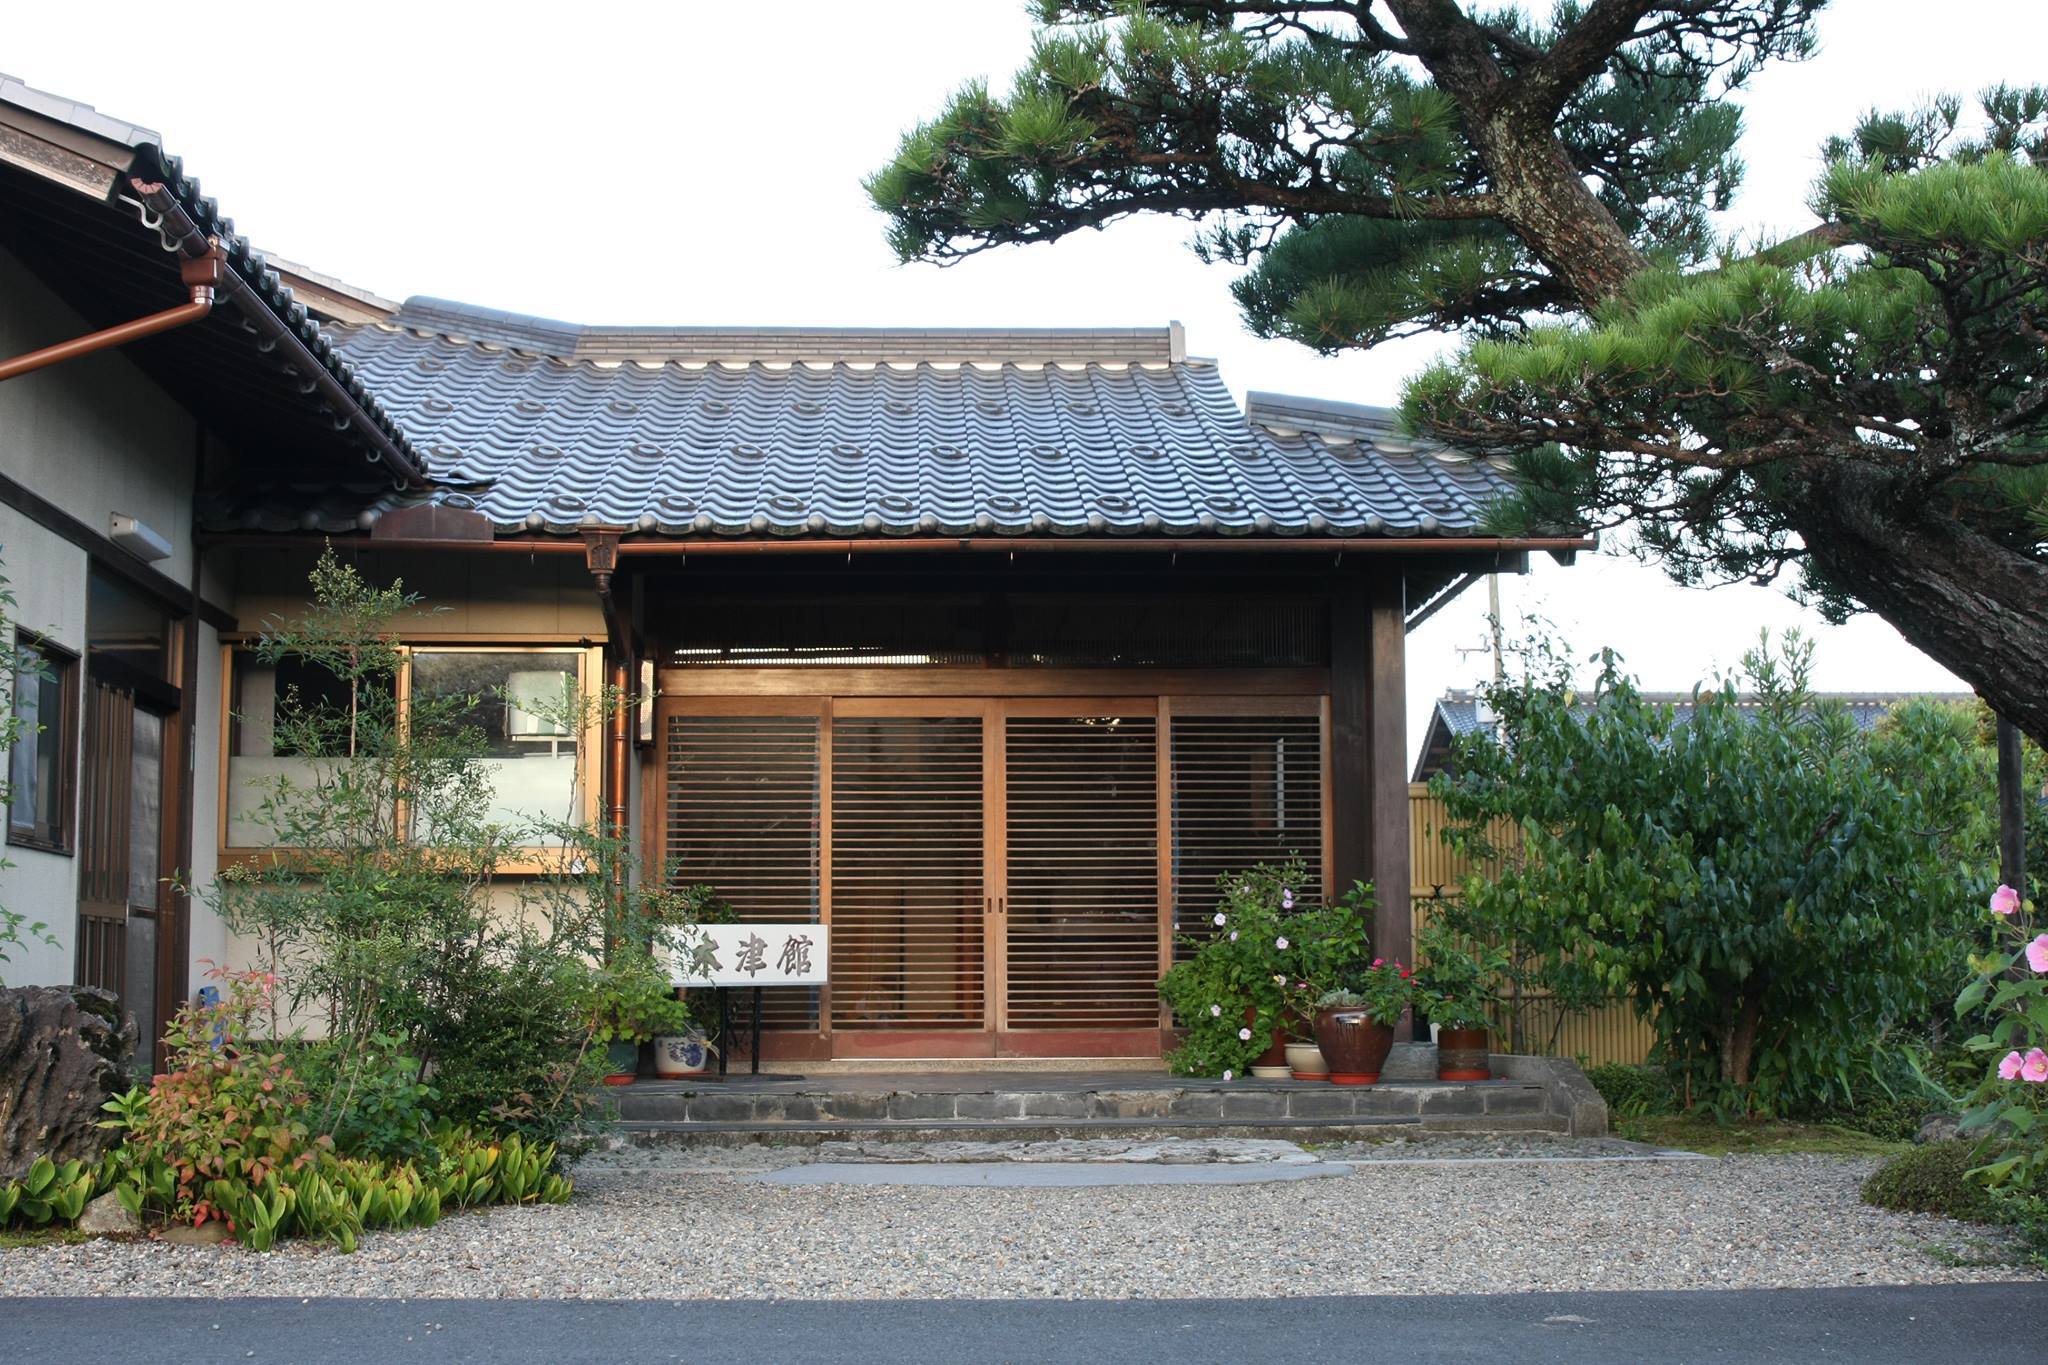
[(724, 432)]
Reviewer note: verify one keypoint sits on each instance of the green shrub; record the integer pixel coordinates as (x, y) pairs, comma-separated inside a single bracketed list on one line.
[(1931, 1179), (368, 1096), (1633, 1091)]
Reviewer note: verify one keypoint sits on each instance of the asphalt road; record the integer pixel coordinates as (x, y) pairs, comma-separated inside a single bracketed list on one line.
[(1932, 1323)]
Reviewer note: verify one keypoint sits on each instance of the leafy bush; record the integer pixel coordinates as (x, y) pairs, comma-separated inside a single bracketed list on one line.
[(1763, 882), (1633, 1092), (368, 1096), (47, 1191), (1931, 1179)]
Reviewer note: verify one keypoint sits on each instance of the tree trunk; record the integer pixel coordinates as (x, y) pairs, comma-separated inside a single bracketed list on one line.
[(1543, 197), (1739, 1027), (1978, 609)]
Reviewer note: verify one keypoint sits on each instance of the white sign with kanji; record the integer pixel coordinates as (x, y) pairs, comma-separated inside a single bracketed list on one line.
[(753, 955)]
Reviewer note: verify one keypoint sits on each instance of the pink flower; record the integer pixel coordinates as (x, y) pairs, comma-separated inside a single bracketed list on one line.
[(1233, 935), (2005, 900), (1229, 1075), (1379, 962), (2009, 1069), (2035, 1067), (1245, 1034), (2037, 953), (1281, 943), (1286, 899)]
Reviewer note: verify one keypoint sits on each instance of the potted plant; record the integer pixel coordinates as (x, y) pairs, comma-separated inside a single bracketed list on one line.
[(1454, 987), (1328, 946), (1355, 1023), (1230, 992), (684, 1050), (634, 1003)]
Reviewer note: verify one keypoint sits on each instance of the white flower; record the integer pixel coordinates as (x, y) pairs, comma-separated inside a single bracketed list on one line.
[(1245, 1034), (1221, 919), (1281, 943), (1229, 1075), (1216, 1011), (1233, 935)]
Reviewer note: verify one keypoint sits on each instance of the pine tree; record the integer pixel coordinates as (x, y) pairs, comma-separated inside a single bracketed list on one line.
[(1542, 187)]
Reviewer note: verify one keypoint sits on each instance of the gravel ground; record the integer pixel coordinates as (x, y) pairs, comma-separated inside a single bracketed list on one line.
[(655, 1230)]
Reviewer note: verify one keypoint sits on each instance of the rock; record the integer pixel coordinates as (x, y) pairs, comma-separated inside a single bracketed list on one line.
[(208, 1234), (63, 1053), (105, 1217), (1939, 1128)]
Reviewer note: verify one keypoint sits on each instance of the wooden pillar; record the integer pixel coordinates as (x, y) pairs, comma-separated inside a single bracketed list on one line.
[(1387, 778), (2012, 820), (1350, 744)]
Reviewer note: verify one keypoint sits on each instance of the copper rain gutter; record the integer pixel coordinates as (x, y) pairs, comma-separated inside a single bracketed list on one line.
[(312, 374), (202, 273), (958, 544)]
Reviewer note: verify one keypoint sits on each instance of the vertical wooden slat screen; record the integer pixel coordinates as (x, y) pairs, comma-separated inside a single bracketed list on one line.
[(907, 873), (742, 815), (103, 838), (1247, 789), (1083, 876)]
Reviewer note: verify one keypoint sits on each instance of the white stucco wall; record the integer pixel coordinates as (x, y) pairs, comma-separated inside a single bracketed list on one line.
[(93, 436)]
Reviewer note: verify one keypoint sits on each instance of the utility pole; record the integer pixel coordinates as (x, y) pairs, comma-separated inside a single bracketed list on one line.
[(1500, 667), (2012, 822)]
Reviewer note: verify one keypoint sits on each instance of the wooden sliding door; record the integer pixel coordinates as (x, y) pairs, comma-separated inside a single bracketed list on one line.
[(911, 902), (1079, 901), (1001, 874)]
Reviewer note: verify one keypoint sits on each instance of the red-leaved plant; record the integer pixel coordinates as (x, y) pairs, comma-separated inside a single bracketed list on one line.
[(227, 1111)]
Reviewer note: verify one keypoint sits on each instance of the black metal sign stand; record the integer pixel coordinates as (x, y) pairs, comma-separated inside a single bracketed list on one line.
[(725, 1029)]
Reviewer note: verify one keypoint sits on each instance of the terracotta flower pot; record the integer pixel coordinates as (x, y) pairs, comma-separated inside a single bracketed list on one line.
[(1354, 1046), (1270, 1065), (1305, 1062), (1461, 1055)]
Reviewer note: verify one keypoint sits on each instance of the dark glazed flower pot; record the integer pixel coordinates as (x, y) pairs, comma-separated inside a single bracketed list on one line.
[(1275, 1055), (1354, 1046), (1461, 1055), (622, 1062)]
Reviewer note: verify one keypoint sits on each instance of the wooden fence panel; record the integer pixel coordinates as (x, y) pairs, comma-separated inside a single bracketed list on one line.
[(1611, 1033)]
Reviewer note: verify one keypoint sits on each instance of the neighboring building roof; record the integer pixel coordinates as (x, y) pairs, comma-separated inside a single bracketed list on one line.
[(69, 207), (1459, 713), (791, 432)]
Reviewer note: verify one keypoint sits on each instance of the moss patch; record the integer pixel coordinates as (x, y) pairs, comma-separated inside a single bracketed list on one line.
[(1931, 1179), (1697, 1133)]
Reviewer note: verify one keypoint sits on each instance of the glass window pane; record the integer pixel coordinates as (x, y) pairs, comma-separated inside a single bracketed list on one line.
[(24, 766), (269, 740), (528, 706), (145, 809)]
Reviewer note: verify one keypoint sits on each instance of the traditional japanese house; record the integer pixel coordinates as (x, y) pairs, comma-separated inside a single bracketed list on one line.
[(991, 648)]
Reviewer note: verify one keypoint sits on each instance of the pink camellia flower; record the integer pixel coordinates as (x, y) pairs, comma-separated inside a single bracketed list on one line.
[(2035, 1067), (2009, 1069), (1281, 943), (2037, 953), (1379, 962), (2005, 900), (1245, 1034)]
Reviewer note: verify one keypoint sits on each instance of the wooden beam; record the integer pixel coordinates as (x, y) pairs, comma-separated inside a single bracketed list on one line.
[(1387, 786)]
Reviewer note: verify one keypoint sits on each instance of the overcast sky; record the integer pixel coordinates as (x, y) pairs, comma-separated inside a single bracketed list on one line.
[(701, 164)]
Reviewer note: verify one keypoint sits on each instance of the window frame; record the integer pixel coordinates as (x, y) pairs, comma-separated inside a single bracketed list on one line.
[(61, 835), (530, 861)]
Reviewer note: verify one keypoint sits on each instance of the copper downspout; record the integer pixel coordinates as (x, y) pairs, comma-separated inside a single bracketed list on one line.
[(601, 556), (202, 275)]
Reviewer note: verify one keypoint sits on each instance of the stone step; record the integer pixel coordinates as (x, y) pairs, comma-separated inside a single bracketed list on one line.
[(930, 1101), (657, 1133)]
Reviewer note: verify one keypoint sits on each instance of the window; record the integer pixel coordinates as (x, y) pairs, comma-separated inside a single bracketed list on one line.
[(533, 708), (40, 765)]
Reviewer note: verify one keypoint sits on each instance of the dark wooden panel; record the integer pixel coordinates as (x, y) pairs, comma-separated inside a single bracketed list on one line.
[(1247, 789)]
